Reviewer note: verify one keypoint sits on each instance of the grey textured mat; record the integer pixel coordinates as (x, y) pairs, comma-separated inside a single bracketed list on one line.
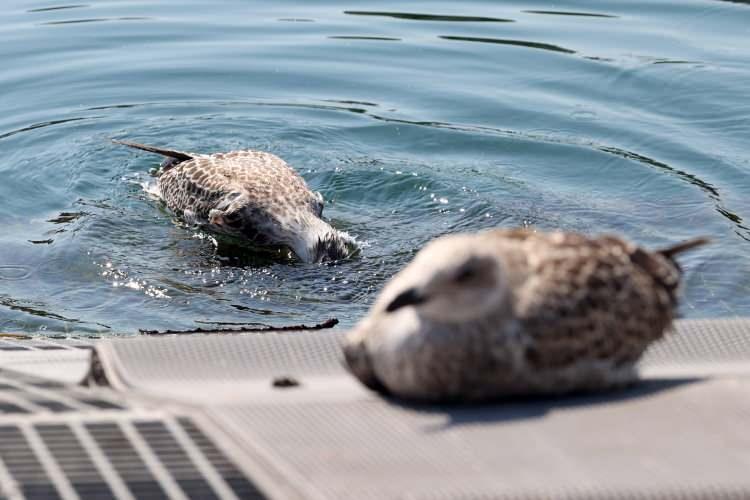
[(681, 433), (173, 363), (65, 442), (697, 348), (65, 360), (663, 440), (706, 346)]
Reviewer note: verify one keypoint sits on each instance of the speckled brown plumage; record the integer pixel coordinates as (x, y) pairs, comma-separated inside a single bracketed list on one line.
[(514, 312), (254, 195), (196, 184)]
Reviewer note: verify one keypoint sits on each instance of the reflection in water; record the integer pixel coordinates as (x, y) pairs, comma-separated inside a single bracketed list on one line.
[(254, 310), (731, 216), (692, 179), (66, 217), (59, 7), (63, 219), (428, 17), (46, 124), (96, 20), (354, 37), (360, 103), (564, 13), (117, 106), (502, 41), (671, 61), (235, 254), (38, 309)]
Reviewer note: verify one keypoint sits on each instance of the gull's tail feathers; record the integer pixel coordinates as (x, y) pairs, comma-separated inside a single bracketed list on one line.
[(177, 155), (672, 251)]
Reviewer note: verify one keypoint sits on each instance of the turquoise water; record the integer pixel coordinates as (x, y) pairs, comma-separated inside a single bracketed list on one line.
[(414, 119)]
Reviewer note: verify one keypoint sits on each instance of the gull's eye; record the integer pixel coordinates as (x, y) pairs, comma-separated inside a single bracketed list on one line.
[(410, 297), (466, 273)]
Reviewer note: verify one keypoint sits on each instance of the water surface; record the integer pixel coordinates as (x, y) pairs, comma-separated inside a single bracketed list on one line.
[(414, 119)]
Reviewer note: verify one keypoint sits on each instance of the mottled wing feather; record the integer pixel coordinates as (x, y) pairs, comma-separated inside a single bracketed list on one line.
[(590, 299), (198, 184), (195, 185)]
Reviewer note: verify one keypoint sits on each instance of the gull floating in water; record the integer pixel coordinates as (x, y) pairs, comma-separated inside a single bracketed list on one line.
[(513, 312), (252, 195)]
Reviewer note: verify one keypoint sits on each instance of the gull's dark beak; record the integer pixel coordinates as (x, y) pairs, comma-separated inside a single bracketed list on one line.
[(410, 297)]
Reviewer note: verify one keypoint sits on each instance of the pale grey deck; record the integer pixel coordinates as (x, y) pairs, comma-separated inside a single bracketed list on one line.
[(681, 433)]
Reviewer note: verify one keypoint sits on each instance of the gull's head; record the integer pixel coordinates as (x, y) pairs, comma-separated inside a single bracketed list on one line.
[(334, 245), (314, 240), (453, 279), (277, 223)]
